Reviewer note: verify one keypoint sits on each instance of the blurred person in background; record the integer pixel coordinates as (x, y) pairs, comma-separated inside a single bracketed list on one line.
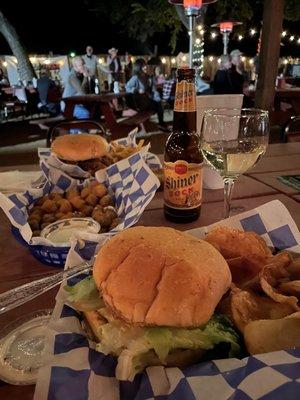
[(77, 84), (49, 93), (91, 63), (222, 83), (114, 65), (144, 93), (128, 67), (201, 86), (169, 88)]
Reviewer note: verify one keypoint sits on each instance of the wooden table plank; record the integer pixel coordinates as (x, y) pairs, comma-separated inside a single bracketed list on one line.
[(212, 212), (282, 149), (270, 178), (272, 164)]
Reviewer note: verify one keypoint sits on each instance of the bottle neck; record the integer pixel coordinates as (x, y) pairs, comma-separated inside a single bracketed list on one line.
[(185, 106)]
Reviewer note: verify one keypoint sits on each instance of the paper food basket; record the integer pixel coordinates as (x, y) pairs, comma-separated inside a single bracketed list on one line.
[(51, 161), (74, 370), (131, 182)]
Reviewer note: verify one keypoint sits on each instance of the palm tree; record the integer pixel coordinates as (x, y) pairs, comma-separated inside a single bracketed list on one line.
[(25, 67)]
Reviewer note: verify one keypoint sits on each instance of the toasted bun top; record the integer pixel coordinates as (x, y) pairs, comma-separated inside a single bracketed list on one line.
[(79, 147), (160, 276)]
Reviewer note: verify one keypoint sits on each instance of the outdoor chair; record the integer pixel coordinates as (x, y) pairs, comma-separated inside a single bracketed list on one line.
[(291, 131), (66, 127)]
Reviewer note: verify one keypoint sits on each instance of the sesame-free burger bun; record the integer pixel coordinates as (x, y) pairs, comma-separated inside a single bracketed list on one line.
[(79, 147), (160, 276)]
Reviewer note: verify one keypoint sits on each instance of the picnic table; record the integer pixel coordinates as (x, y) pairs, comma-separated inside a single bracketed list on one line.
[(102, 104), (258, 186)]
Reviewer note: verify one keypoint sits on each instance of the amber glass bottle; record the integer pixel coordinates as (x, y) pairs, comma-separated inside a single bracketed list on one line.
[(183, 159)]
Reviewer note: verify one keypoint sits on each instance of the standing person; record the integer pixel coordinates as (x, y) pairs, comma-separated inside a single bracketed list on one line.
[(145, 95), (222, 81), (77, 84), (114, 65), (128, 67), (91, 63)]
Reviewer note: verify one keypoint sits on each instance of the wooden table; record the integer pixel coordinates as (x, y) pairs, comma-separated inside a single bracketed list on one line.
[(102, 104), (257, 188)]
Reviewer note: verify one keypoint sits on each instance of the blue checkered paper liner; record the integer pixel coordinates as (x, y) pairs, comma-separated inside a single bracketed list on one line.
[(74, 171), (73, 370), (131, 182)]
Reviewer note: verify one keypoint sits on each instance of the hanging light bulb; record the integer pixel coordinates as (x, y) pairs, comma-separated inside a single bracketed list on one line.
[(251, 61), (163, 60), (284, 33), (292, 38), (213, 35), (240, 37), (210, 58), (252, 32), (243, 58), (285, 61), (298, 41), (173, 61)]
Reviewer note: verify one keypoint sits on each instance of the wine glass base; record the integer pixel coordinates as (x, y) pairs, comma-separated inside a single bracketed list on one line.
[(237, 209)]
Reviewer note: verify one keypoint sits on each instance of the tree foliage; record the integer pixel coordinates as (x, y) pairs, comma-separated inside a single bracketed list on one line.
[(141, 19)]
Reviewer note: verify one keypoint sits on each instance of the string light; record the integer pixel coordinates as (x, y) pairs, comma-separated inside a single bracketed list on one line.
[(173, 61), (202, 32), (211, 58), (298, 41), (163, 60), (292, 38), (251, 61), (72, 54), (285, 62), (4, 64), (183, 58), (219, 60), (133, 59), (198, 41), (252, 32), (243, 58), (213, 35), (284, 33), (240, 37), (199, 27), (100, 60)]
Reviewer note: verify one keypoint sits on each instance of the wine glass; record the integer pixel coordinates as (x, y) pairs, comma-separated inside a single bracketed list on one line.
[(232, 141)]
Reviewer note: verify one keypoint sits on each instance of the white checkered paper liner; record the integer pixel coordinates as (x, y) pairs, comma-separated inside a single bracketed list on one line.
[(50, 160), (74, 370), (131, 182)]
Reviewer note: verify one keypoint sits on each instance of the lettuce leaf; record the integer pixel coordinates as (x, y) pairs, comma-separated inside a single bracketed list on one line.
[(84, 296), (135, 346)]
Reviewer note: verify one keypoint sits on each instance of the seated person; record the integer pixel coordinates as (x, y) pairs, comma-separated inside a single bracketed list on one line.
[(47, 90), (78, 84), (145, 95)]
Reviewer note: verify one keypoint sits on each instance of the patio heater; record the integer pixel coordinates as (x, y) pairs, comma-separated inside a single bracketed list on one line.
[(192, 10), (226, 28)]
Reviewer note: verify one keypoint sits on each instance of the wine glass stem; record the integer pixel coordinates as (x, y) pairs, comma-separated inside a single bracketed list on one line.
[(228, 189)]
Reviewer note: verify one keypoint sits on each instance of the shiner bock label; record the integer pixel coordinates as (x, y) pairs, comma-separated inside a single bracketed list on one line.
[(185, 99), (182, 185)]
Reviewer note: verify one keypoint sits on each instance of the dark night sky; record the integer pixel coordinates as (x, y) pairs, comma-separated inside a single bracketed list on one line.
[(63, 26)]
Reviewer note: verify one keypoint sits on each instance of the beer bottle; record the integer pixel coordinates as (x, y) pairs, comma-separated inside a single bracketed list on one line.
[(183, 158)]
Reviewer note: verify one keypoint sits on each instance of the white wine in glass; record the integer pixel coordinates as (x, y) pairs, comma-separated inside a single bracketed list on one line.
[(232, 142)]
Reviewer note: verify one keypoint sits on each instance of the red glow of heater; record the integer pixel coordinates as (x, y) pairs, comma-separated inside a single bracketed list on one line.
[(192, 4), (226, 26)]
